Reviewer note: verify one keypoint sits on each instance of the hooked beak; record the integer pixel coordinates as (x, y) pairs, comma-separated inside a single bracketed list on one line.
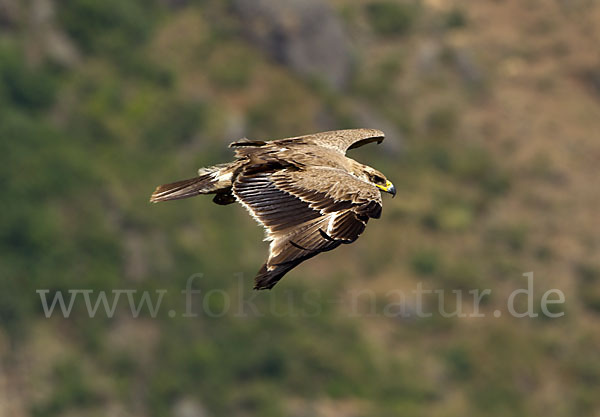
[(388, 188)]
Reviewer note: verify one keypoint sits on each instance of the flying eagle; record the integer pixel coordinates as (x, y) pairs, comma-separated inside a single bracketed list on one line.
[(304, 191)]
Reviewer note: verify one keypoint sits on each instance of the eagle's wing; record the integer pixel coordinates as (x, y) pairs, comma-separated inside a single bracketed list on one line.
[(342, 140), (338, 140), (305, 212)]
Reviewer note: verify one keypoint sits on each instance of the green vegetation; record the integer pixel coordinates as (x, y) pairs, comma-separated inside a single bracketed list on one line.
[(23, 87), (456, 18), (109, 26), (392, 18)]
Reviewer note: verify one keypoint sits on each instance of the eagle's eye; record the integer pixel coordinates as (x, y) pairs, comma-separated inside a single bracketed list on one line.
[(378, 180)]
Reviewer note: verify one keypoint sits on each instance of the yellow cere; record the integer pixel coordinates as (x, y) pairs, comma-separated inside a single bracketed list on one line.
[(385, 187)]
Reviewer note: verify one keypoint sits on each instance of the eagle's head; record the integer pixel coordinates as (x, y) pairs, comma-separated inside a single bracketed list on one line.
[(371, 175)]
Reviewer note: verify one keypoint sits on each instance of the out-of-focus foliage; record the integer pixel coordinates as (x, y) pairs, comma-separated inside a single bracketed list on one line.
[(491, 114), (391, 18)]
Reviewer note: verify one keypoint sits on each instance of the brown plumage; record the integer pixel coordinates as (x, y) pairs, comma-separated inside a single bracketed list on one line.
[(307, 194)]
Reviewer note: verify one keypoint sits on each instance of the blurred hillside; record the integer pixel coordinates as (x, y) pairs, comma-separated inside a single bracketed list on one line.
[(491, 110)]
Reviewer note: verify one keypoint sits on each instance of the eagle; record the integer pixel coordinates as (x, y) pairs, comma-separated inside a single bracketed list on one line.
[(304, 191)]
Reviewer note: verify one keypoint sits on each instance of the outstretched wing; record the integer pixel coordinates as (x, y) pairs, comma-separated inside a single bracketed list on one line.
[(305, 212), (338, 140), (342, 140)]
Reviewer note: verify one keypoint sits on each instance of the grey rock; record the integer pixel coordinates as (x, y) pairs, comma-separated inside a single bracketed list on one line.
[(428, 57), (10, 12), (47, 39), (467, 67), (305, 35), (188, 407)]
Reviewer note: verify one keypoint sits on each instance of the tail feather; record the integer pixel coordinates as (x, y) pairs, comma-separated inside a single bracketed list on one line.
[(203, 184)]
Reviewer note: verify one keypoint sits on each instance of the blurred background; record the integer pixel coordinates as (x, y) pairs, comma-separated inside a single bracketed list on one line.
[(492, 115)]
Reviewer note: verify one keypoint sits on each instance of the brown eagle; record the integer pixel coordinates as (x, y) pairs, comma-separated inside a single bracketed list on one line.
[(304, 191)]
